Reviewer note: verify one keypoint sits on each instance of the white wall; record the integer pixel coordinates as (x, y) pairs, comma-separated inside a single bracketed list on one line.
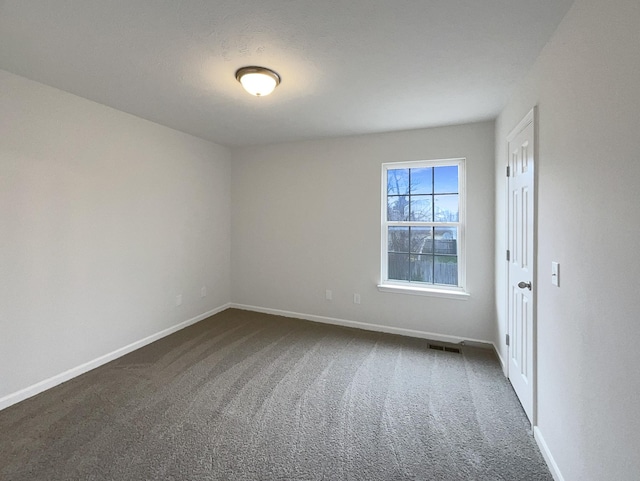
[(586, 84), (306, 217), (104, 218)]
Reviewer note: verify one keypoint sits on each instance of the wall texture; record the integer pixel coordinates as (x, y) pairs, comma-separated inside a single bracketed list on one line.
[(586, 84), (306, 217), (105, 218)]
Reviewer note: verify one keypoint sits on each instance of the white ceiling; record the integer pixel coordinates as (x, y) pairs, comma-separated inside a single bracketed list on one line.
[(347, 67)]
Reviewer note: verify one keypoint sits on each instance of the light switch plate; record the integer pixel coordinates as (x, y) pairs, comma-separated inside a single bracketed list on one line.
[(555, 274)]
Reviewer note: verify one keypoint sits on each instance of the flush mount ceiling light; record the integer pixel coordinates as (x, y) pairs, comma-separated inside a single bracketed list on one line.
[(258, 81)]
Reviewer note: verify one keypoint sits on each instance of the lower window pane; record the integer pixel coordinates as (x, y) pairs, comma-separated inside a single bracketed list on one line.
[(422, 269), (421, 240), (398, 239), (446, 270), (423, 254), (446, 240), (398, 266)]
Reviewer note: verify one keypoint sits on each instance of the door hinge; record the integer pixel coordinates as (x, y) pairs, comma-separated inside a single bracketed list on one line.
[(508, 171), (507, 339), (508, 255)]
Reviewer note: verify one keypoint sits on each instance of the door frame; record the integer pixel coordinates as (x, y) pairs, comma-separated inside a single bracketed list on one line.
[(530, 117)]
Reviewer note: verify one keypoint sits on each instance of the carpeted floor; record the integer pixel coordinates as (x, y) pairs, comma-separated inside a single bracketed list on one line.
[(247, 396)]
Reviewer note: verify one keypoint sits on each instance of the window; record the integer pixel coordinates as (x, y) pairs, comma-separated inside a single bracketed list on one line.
[(423, 225)]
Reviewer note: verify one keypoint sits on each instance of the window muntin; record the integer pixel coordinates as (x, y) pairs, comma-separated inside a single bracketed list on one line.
[(423, 228)]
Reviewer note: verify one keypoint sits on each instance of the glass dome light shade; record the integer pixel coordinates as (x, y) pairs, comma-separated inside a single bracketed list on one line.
[(258, 81)]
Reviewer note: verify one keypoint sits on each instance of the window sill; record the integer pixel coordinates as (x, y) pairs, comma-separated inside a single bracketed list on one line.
[(424, 291)]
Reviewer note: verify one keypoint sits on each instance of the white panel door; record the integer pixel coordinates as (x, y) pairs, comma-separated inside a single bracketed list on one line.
[(521, 329)]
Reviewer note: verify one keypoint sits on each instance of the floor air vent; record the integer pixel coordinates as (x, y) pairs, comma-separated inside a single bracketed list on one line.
[(439, 347)]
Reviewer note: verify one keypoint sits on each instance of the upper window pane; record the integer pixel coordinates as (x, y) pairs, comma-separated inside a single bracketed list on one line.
[(446, 208), (398, 182), (445, 179), (397, 207), (422, 181), (421, 208)]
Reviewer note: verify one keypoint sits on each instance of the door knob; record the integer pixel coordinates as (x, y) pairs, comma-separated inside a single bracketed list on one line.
[(523, 284)]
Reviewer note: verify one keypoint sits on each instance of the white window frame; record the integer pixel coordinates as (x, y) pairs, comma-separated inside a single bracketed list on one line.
[(418, 288)]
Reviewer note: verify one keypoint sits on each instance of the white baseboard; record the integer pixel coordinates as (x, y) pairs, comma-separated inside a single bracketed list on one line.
[(361, 325), (502, 363), (544, 449), (41, 386)]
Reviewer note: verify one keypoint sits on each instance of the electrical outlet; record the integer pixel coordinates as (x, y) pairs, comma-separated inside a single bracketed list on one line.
[(356, 298), (178, 300), (203, 291), (328, 295)]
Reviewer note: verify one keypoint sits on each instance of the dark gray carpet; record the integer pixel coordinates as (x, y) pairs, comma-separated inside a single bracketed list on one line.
[(246, 396)]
